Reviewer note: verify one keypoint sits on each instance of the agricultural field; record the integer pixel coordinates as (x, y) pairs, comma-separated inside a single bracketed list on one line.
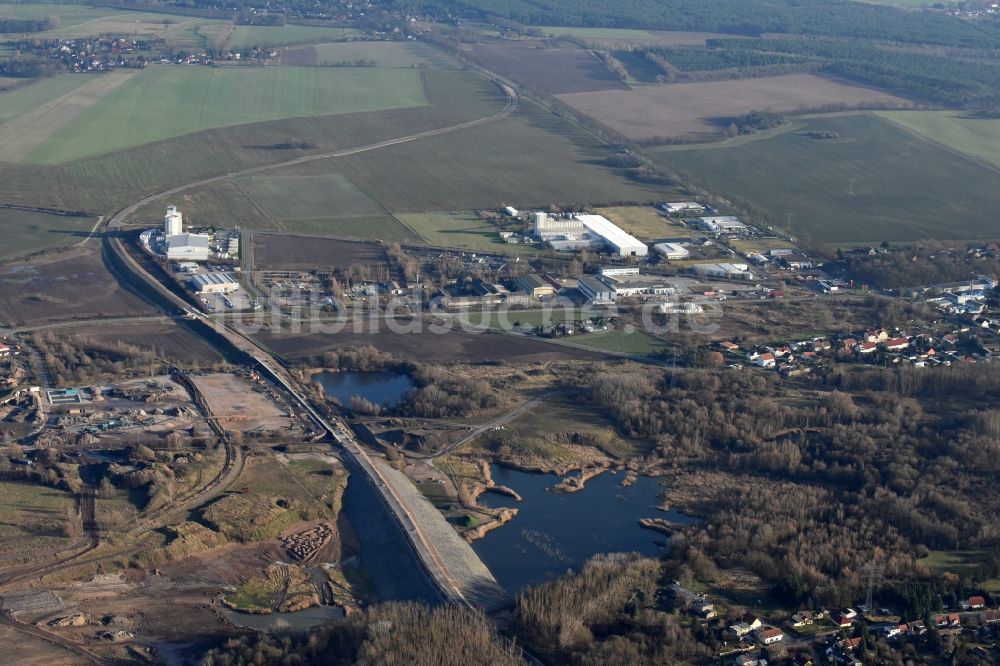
[(205, 97), (382, 54), (530, 159), (549, 70), (454, 346), (695, 109), (293, 253), (104, 183), (308, 197), (24, 133), (25, 231), (462, 230), (67, 15), (976, 137), (244, 36), (378, 228), (67, 285), (875, 182)]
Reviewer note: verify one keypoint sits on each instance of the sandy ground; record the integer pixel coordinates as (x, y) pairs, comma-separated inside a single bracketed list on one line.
[(694, 108), (234, 402)]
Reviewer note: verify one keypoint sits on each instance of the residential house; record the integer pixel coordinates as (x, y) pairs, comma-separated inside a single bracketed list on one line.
[(765, 360), (876, 335), (769, 635), (991, 617), (802, 618), (973, 603), (947, 620), (897, 344), (728, 346), (4, 350), (841, 621), (866, 347), (750, 659)]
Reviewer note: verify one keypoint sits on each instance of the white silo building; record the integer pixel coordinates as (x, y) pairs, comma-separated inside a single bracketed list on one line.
[(173, 222)]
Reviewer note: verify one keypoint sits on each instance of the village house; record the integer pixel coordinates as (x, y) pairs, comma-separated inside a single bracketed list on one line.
[(897, 344), (973, 603), (4, 350), (947, 620), (769, 635), (765, 360), (866, 347), (802, 618)]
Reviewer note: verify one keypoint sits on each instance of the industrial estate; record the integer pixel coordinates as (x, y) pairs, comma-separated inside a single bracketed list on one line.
[(499, 333)]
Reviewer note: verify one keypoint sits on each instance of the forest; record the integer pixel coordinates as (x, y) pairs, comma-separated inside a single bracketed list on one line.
[(804, 483), (839, 18)]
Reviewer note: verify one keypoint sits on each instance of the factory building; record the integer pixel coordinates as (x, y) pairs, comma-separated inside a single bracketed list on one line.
[(173, 222), (671, 250), (533, 284), (723, 224), (596, 291), (676, 208), (727, 271), (635, 284), (213, 283), (581, 231), (187, 247)]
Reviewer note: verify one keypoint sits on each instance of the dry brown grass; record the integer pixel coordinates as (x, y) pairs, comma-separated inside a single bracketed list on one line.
[(698, 108)]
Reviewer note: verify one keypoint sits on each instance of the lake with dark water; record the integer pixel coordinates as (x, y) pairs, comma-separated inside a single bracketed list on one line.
[(554, 532), (381, 388)]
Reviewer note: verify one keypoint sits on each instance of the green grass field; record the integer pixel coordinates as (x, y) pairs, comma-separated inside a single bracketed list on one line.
[(977, 137), (167, 101), (462, 230), (309, 197), (528, 160), (263, 35), (636, 343), (381, 228), (596, 33), (875, 182), (27, 231), (384, 54), (67, 15), (24, 99)]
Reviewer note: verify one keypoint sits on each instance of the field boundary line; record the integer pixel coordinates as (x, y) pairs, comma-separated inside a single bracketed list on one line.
[(951, 149)]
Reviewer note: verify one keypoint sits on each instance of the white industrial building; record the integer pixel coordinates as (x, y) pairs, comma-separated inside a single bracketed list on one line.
[(727, 271), (187, 247), (671, 250), (634, 284), (173, 222), (213, 283), (722, 224), (678, 207), (581, 231)]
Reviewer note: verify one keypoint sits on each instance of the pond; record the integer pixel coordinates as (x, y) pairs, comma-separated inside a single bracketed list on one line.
[(381, 388), (297, 621), (554, 532)]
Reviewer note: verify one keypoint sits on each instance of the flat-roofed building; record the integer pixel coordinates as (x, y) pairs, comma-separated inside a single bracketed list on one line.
[(533, 284), (671, 250), (676, 208), (187, 247), (727, 271), (213, 283), (722, 224), (596, 291), (619, 242)]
